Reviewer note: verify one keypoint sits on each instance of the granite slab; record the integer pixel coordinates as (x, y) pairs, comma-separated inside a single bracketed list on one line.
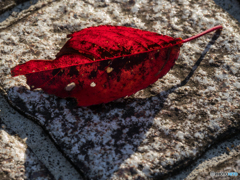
[(154, 132)]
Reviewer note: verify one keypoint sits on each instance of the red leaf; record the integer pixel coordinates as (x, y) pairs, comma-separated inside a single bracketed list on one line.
[(104, 63)]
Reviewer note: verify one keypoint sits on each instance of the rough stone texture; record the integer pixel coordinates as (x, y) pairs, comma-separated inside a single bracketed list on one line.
[(18, 10), (225, 163), (17, 161), (39, 142), (9, 4), (6, 4), (154, 132), (218, 156)]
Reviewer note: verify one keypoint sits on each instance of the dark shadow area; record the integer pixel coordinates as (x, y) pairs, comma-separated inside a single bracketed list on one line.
[(231, 6)]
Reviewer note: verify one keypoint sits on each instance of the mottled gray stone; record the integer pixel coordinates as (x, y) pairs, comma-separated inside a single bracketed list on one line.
[(39, 142), (17, 161), (159, 129)]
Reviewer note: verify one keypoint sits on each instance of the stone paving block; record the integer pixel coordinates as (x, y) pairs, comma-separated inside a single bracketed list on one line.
[(158, 130)]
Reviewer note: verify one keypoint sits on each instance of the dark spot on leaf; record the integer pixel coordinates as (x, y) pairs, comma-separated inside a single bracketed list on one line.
[(83, 42), (118, 78), (125, 51), (104, 54), (89, 56), (128, 62), (61, 72), (55, 71), (93, 74), (67, 51), (103, 65), (73, 71), (137, 60), (153, 46), (80, 83), (156, 55)]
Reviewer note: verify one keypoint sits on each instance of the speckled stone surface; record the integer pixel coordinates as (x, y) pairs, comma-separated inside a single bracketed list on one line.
[(38, 141), (18, 12), (221, 157), (224, 164), (17, 161), (6, 5), (157, 130)]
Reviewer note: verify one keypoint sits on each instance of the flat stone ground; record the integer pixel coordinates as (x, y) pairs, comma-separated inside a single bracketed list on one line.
[(61, 168)]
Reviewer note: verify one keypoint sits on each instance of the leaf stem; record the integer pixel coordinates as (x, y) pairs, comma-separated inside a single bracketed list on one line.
[(203, 33)]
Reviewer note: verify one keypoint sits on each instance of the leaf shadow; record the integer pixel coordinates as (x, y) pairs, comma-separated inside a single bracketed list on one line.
[(98, 139), (232, 7)]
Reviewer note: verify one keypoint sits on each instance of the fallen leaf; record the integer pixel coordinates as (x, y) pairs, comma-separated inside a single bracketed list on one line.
[(104, 63)]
